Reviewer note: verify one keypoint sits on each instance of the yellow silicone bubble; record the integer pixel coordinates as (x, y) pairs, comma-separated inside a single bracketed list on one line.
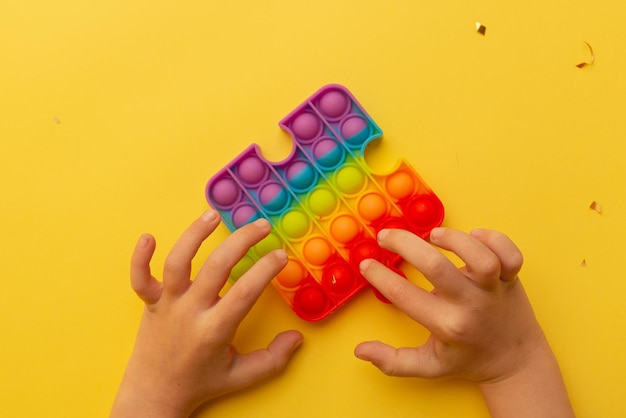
[(241, 267), (268, 244), (317, 251), (372, 207), (400, 185), (322, 201), (295, 224), (350, 179), (292, 274), (344, 228)]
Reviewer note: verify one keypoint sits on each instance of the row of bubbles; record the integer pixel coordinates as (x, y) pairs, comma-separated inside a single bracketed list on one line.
[(332, 113)]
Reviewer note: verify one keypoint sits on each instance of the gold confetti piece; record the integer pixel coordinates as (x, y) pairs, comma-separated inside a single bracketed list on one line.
[(591, 60), (480, 28), (596, 206), (584, 263), (57, 121)]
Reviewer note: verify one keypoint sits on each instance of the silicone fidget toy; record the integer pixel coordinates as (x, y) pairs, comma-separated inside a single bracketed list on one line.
[(324, 203)]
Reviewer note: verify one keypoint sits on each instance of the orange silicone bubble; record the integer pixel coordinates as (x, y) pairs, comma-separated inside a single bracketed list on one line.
[(292, 274), (317, 251), (344, 228), (400, 185), (373, 207)]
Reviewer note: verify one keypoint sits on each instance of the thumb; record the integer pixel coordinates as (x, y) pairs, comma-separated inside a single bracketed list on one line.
[(260, 364), (403, 362)]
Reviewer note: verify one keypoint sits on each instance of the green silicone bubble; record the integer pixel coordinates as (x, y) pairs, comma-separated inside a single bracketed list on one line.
[(241, 267), (268, 244), (350, 180), (322, 201), (295, 224)]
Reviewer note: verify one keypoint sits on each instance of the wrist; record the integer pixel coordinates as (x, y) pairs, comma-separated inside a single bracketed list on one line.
[(535, 388), (133, 400)]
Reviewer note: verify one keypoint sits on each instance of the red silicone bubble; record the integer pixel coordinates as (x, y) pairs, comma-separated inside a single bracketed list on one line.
[(367, 248), (338, 278), (425, 211), (310, 301)]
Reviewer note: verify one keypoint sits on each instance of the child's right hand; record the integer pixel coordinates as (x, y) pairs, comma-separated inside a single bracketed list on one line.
[(482, 325)]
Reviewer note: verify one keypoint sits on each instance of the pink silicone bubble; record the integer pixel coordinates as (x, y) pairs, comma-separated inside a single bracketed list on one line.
[(354, 129), (243, 215), (300, 175), (273, 197), (306, 126), (310, 301), (251, 171), (328, 153), (334, 104), (225, 192)]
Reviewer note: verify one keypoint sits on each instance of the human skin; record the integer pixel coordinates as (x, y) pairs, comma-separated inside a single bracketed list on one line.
[(183, 354), (482, 325)]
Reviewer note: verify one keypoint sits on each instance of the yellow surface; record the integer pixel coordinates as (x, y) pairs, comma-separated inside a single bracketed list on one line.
[(113, 114)]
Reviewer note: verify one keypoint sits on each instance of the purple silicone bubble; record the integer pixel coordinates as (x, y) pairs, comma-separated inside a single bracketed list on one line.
[(334, 104), (300, 175), (244, 214), (354, 128), (225, 193), (328, 153), (251, 171), (306, 126), (273, 197)]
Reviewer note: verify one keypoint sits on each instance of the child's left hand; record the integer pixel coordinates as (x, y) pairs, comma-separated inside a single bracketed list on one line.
[(183, 354)]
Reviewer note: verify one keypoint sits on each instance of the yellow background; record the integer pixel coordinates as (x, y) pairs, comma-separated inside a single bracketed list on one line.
[(113, 115)]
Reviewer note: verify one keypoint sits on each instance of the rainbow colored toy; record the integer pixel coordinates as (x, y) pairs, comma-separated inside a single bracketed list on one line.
[(324, 203)]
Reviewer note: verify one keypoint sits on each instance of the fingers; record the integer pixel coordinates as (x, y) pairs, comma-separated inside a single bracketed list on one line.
[(424, 257), (482, 265), (402, 362), (239, 299), (261, 364), (177, 269), (417, 303), (510, 256), (142, 282), (216, 269)]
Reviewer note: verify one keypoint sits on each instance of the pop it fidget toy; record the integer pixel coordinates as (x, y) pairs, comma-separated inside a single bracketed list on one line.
[(324, 203)]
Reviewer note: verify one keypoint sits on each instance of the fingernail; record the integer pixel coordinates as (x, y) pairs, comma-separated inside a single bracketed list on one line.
[(143, 240), (476, 232), (262, 223), (210, 215), (282, 255), (436, 233), (382, 234), (363, 265)]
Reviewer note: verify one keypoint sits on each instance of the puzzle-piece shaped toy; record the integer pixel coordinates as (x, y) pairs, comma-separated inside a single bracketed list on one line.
[(324, 203)]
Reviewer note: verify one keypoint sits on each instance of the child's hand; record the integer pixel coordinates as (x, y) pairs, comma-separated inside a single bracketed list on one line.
[(482, 325), (183, 354)]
